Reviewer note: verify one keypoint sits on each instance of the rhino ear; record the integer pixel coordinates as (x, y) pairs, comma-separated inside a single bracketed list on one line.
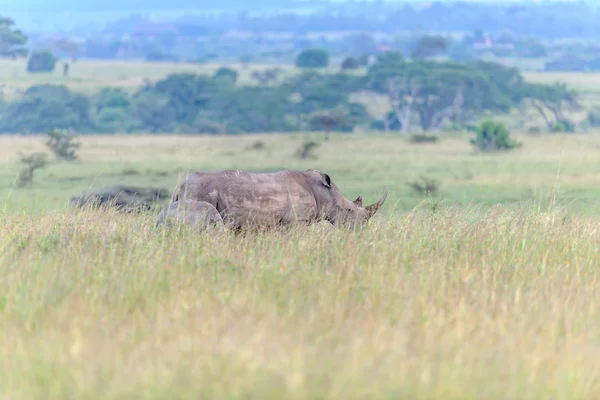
[(358, 201), (326, 180)]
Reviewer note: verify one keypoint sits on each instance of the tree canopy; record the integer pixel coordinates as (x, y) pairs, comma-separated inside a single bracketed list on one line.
[(12, 40)]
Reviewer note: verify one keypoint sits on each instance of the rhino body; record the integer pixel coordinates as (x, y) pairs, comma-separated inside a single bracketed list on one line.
[(279, 198), (198, 214)]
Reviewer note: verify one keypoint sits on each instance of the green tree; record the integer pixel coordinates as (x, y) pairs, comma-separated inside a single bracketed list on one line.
[(227, 73), (313, 58), (350, 63), (429, 46), (493, 136), (63, 144), (551, 102), (41, 61), (111, 98), (30, 163), (328, 119), (12, 40), (45, 107)]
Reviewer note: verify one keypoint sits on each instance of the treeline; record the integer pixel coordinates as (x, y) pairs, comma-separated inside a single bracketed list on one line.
[(423, 95), (568, 19)]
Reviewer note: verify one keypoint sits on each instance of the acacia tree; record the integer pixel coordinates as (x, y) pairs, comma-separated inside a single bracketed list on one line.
[(12, 40), (402, 95), (551, 102), (328, 119), (437, 92)]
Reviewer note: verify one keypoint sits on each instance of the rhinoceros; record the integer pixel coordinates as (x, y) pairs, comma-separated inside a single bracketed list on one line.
[(284, 197), (199, 214)]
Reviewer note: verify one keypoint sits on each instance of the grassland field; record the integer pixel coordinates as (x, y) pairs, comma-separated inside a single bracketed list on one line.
[(89, 76), (486, 290)]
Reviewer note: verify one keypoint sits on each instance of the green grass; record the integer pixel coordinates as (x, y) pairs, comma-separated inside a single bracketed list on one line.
[(362, 164), (90, 76)]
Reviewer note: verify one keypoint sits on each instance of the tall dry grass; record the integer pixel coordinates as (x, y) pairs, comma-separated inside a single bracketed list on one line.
[(445, 303)]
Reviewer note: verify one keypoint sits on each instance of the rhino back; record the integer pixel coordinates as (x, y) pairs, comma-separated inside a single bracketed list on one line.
[(255, 198)]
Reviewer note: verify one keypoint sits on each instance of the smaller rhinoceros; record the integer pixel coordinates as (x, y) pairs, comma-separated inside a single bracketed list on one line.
[(191, 212)]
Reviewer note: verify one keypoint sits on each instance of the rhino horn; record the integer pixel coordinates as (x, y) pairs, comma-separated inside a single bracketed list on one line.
[(372, 209), (358, 201)]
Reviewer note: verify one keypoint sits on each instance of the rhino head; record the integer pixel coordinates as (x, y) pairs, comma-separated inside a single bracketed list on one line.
[(339, 210)]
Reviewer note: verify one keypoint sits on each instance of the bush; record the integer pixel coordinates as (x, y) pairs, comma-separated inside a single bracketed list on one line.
[(350, 63), (62, 143), (227, 73), (563, 125), (41, 61), (313, 58), (493, 136), (306, 150), (593, 118), (426, 186), (30, 163), (423, 138)]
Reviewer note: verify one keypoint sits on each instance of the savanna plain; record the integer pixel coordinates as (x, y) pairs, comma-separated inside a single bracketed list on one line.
[(485, 289)]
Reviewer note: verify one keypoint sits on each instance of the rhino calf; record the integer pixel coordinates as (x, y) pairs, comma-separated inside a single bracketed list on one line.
[(194, 213)]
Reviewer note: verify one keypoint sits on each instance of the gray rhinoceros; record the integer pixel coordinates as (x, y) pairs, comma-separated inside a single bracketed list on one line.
[(279, 198), (198, 214)]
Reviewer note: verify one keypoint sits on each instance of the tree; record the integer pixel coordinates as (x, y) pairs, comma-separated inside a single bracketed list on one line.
[(31, 163), (551, 102), (402, 94), (63, 144), (351, 63), (41, 61), (429, 46), (12, 41), (44, 107), (227, 73), (438, 92), (328, 119), (493, 136), (313, 58)]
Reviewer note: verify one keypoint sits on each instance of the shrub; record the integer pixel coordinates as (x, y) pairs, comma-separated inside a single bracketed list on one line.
[(256, 145), (563, 125), (306, 150), (227, 73), (593, 118), (493, 136), (41, 61), (62, 143), (30, 163), (423, 138), (425, 186), (350, 63), (313, 58)]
